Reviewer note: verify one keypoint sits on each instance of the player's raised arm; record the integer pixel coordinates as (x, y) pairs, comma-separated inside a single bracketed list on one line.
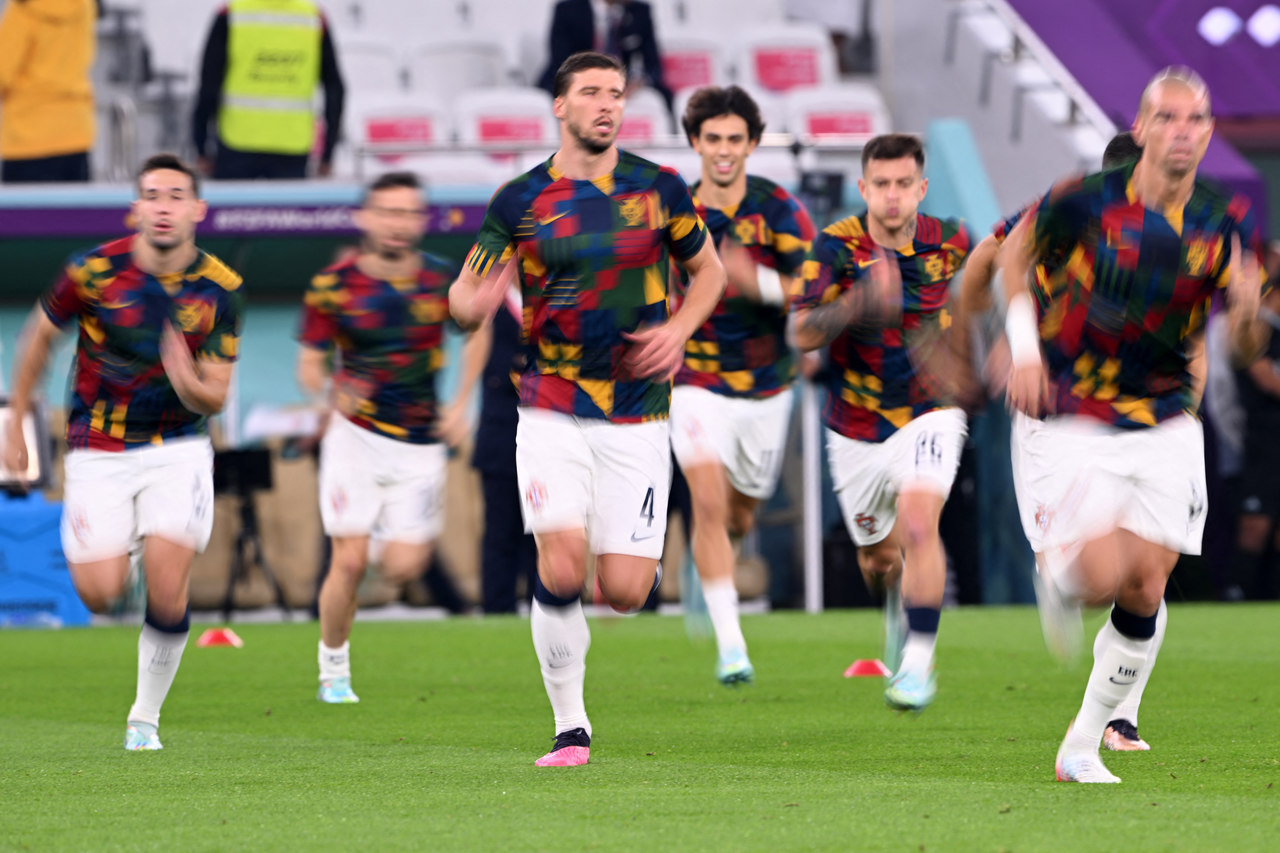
[(201, 385), (454, 422), (1248, 332)]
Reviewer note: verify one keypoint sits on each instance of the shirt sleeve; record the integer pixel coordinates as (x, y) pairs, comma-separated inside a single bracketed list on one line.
[(496, 240), (793, 234), (319, 324), (223, 342), (1060, 218), (685, 230), (65, 300), (1240, 222), (828, 271)]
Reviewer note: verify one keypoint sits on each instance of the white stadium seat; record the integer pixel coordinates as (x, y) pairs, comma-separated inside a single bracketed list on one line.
[(370, 66), (694, 59), (456, 64), (646, 117), (784, 56), (844, 109), (495, 116)]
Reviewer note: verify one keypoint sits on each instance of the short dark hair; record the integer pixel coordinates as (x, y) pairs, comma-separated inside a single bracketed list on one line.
[(583, 60), (1122, 150), (156, 162), (892, 146), (391, 180), (714, 101)]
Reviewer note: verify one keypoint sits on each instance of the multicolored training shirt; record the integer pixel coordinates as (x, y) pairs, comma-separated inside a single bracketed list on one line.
[(873, 387), (1123, 289), (594, 263), (389, 336), (121, 397), (742, 349)]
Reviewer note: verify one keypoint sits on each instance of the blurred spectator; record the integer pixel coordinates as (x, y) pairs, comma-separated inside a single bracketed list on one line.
[(46, 98), (620, 28), (1259, 386), (262, 62)]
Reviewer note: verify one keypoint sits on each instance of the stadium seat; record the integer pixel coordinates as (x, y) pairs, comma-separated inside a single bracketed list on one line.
[(692, 59), (646, 117), (844, 109), (176, 32), (784, 56), (394, 18), (374, 119), (501, 115), (525, 46), (370, 66), (442, 67), (719, 14)]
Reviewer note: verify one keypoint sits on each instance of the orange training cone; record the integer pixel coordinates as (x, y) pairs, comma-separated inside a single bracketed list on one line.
[(866, 668), (219, 637)]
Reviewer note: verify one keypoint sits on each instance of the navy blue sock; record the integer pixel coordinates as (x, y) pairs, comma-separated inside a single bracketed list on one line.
[(547, 598), (923, 620), (1132, 625), (182, 626)]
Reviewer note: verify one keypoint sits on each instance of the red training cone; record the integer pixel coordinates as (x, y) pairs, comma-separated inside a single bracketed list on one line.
[(866, 667), (219, 637)]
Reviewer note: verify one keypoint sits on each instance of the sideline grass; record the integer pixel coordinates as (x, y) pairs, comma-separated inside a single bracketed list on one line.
[(439, 753)]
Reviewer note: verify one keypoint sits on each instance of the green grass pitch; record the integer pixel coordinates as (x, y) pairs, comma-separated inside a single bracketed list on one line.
[(439, 754)]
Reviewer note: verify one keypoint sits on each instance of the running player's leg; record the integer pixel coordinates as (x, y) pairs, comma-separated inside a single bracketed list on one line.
[(175, 520), (1121, 734), (554, 470), (926, 456), (702, 439), (350, 503), (1122, 649)]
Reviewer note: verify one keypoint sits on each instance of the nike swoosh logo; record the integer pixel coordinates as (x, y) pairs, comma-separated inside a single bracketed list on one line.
[(864, 264), (635, 538), (1112, 679), (551, 219), (553, 665)]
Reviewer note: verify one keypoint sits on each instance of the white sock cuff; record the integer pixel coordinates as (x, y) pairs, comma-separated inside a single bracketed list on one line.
[(164, 638)]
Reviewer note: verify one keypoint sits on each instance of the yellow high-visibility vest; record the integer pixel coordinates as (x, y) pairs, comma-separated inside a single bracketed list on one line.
[(273, 67)]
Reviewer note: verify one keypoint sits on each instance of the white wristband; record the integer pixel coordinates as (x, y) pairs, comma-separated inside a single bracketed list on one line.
[(1022, 330), (769, 283)]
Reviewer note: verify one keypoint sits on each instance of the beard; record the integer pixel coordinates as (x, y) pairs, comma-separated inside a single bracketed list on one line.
[(591, 144)]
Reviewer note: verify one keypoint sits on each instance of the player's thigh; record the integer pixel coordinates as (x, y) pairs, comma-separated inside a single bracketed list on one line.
[(761, 431), (350, 497), (98, 512), (927, 451), (860, 471), (701, 434), (412, 487), (1166, 465), (176, 500), (1063, 481), (553, 470), (631, 483)]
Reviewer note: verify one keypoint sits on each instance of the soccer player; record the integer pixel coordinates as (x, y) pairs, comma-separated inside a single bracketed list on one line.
[(1108, 457), (732, 399), (875, 288), (159, 325), (591, 230), (1121, 733), (380, 315)]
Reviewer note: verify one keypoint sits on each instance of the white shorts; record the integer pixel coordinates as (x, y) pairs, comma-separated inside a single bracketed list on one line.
[(1077, 478), (112, 499), (868, 476), (590, 474), (371, 485), (746, 436)]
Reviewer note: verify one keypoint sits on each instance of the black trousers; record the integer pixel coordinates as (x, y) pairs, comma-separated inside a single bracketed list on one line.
[(233, 165), (39, 170), (507, 552)]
